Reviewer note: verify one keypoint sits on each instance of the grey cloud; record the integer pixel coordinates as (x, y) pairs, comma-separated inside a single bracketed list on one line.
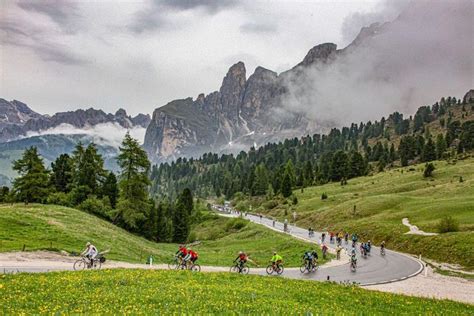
[(14, 33), (210, 5), (154, 17), (61, 12), (256, 27)]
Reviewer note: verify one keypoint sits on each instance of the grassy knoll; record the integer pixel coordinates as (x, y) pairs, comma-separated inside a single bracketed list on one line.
[(382, 200), (178, 292), (61, 228)]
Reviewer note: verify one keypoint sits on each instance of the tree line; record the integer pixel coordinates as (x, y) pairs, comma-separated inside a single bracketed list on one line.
[(80, 180), (342, 154)]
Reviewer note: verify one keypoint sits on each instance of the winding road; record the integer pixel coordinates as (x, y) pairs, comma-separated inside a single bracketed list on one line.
[(375, 269)]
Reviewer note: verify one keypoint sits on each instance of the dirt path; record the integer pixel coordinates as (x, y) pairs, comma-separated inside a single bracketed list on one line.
[(414, 230)]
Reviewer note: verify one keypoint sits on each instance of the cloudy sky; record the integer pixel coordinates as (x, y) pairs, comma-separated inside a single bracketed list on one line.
[(61, 55)]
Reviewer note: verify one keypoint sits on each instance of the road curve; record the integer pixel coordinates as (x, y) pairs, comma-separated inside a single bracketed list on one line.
[(374, 269)]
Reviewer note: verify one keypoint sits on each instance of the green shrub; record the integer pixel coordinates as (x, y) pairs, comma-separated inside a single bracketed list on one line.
[(59, 198), (242, 206), (192, 237), (235, 224), (294, 200), (448, 224), (324, 196), (95, 206), (429, 168)]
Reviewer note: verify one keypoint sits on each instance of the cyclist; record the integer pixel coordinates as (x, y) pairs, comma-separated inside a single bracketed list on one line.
[(310, 232), (241, 259), (323, 236), (346, 238), (90, 253), (354, 260), (193, 256), (382, 247), (338, 252), (315, 257), (324, 249), (354, 239), (368, 246), (276, 260), (308, 259)]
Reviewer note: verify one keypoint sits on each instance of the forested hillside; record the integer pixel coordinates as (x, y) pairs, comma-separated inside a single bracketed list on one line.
[(442, 130)]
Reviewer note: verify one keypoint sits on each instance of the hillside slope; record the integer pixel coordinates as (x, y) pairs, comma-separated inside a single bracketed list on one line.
[(383, 200), (61, 228)]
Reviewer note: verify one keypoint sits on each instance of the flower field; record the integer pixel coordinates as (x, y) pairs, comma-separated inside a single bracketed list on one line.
[(171, 292)]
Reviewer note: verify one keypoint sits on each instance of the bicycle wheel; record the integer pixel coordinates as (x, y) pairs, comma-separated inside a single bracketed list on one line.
[(245, 270), (196, 268), (303, 268), (280, 270), (79, 265), (353, 267), (234, 269), (97, 265), (173, 265), (269, 269)]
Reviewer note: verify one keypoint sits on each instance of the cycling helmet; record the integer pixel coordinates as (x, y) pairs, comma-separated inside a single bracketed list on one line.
[(241, 252), (88, 244), (274, 253)]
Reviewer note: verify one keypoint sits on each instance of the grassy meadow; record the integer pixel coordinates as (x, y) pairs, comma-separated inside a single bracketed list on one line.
[(182, 292)]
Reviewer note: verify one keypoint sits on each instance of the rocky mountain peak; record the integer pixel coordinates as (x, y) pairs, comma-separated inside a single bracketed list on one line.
[(121, 112), (319, 53), (232, 90), (469, 95)]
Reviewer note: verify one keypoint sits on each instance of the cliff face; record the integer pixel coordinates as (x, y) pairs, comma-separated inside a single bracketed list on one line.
[(244, 112)]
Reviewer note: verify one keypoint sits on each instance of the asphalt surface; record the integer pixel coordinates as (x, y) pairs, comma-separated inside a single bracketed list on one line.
[(374, 269)]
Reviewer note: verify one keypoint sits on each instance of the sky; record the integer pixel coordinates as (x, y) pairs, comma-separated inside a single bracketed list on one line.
[(139, 55)]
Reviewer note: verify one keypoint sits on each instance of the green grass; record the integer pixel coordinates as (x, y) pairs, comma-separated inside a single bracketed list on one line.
[(61, 228), (182, 292), (382, 200)]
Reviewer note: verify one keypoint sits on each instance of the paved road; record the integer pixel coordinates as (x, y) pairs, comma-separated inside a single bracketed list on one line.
[(374, 269)]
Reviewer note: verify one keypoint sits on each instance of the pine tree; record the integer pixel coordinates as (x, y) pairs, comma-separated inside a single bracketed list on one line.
[(32, 184), (339, 166), (286, 185), (357, 165), (110, 189), (181, 218), (429, 151), (308, 173), (133, 205), (61, 175), (260, 183), (440, 146), (88, 173)]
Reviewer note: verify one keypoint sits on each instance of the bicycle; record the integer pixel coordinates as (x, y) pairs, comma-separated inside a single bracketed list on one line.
[(353, 266), (85, 263), (308, 266), (184, 265), (382, 251), (238, 268), (277, 268), (175, 263)]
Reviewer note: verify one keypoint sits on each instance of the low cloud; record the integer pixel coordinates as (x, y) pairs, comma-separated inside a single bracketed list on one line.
[(421, 56), (256, 27), (107, 134)]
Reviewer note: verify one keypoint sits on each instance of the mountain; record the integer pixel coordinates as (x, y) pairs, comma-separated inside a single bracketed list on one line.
[(17, 120), (392, 66)]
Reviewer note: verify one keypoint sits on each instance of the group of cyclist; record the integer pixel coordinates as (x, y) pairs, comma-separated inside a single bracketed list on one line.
[(187, 255)]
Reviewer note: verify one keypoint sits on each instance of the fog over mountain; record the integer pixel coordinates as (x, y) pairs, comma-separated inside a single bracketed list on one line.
[(424, 54)]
